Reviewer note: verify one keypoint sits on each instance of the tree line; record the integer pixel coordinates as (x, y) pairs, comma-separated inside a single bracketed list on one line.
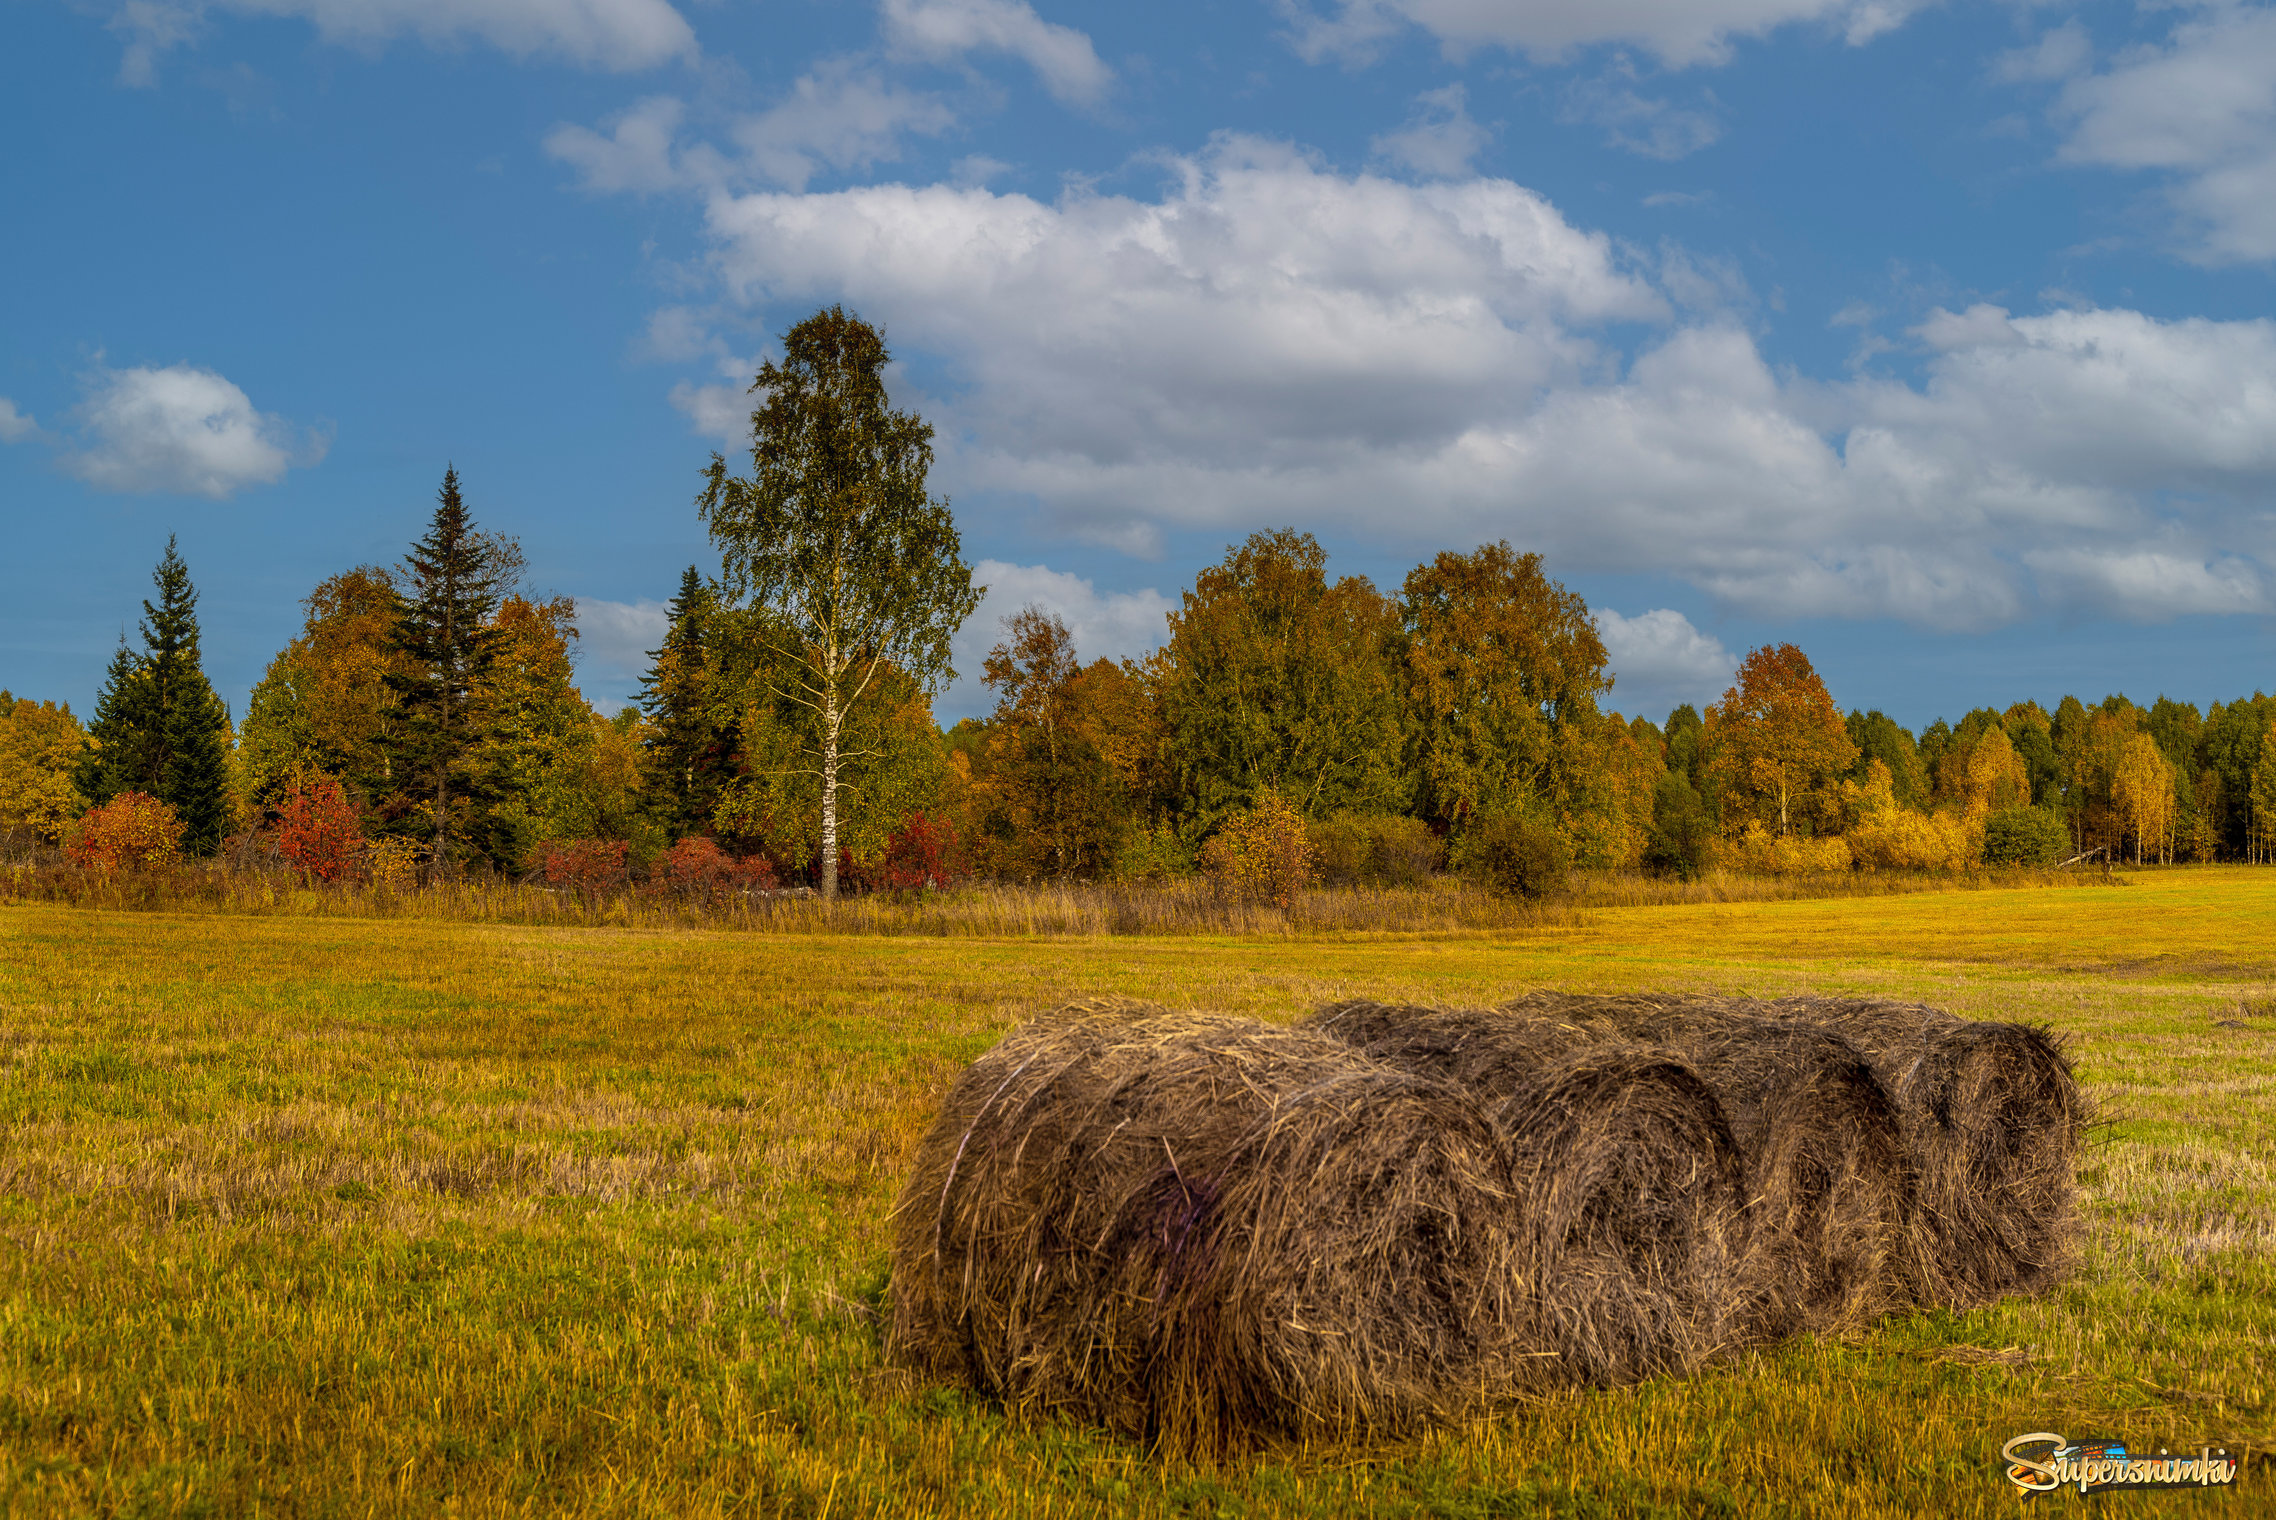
[(429, 711)]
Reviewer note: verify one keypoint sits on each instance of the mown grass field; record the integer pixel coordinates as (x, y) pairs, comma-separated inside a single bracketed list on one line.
[(328, 1216)]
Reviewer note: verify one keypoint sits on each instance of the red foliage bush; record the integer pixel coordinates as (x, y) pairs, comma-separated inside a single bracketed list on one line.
[(922, 852), (321, 831), (698, 867), (133, 831), (589, 867)]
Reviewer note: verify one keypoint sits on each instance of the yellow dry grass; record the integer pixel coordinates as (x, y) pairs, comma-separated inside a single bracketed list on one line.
[(327, 1215)]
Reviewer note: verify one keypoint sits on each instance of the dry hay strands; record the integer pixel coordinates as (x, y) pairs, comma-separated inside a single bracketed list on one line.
[(1831, 1176), (1996, 1120), (1631, 1186), (1993, 1120), (1208, 1232)]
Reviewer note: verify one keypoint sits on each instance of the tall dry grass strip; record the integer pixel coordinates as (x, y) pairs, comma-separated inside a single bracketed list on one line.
[(1631, 1186), (1831, 1178), (1204, 1231)]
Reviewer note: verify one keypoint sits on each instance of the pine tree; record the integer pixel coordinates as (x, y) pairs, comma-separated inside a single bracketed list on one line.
[(443, 631), (690, 750), (159, 727)]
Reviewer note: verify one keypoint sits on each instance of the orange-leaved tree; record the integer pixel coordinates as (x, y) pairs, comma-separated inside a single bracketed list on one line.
[(1776, 745), (133, 831), (320, 830)]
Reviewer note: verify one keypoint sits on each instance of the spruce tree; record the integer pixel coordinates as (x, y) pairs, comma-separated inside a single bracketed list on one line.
[(443, 631), (159, 727), (691, 753)]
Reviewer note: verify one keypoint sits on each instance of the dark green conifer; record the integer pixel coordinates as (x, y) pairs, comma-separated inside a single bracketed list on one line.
[(444, 631), (691, 750), (159, 727)]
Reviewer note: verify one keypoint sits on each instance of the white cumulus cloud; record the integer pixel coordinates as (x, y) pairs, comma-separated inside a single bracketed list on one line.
[(182, 429), (1265, 341), (614, 639), (1439, 138), (1660, 661), (619, 35), (843, 114), (943, 31), (2200, 109), (15, 426), (1677, 32)]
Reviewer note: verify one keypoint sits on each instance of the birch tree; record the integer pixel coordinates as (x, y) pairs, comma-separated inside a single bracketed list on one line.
[(834, 538)]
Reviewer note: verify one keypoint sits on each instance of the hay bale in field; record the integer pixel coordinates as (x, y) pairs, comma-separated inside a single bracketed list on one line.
[(1996, 1120), (1204, 1230), (1831, 1177), (1631, 1186), (1993, 1120)]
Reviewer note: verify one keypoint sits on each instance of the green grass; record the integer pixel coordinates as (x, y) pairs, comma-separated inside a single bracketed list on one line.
[(314, 1216)]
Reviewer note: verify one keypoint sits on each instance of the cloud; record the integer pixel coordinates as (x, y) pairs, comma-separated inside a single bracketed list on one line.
[(15, 426), (614, 639), (1660, 661), (840, 115), (1439, 138), (2200, 109), (185, 430), (721, 412), (944, 31), (1264, 341), (619, 35), (2149, 585), (1111, 625), (1651, 128), (1678, 33), (2059, 53)]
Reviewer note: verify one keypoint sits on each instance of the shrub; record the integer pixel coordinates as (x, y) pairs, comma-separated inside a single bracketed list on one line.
[(320, 831), (393, 862), (588, 867), (1152, 855), (1759, 852), (2026, 836), (697, 867), (922, 852), (133, 831), (1899, 839), (1518, 856), (1353, 849), (1262, 854)]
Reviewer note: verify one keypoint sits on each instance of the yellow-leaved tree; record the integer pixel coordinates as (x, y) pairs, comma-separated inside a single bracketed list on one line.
[(2142, 792), (39, 745)]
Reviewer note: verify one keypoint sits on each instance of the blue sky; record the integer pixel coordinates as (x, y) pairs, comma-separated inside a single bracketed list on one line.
[(1933, 337)]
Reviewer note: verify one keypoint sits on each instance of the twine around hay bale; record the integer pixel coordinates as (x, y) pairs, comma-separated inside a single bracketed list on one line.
[(1206, 1231), (1630, 1184)]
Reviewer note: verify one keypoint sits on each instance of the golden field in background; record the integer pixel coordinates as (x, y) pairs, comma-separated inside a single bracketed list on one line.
[(313, 1215)]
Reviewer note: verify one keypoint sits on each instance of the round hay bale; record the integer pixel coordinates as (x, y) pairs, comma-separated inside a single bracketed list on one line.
[(1206, 1231), (1830, 1173), (1993, 1120), (1996, 1119), (1631, 1186)]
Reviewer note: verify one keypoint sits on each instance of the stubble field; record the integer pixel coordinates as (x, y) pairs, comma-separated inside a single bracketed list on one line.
[(317, 1216)]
